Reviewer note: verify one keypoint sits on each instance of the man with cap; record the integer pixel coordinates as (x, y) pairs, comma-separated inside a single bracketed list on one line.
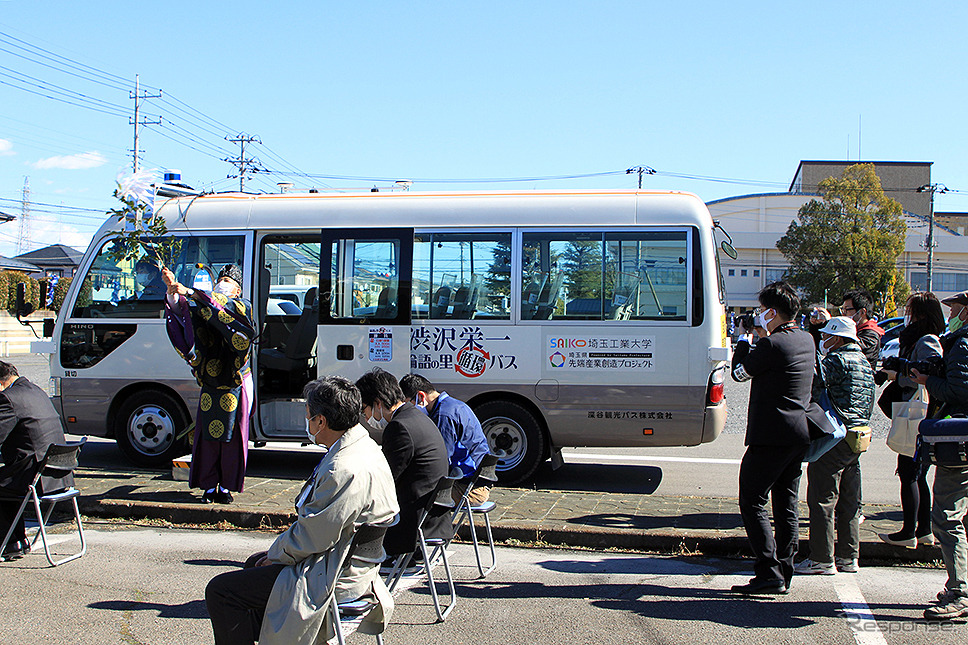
[(833, 480), (951, 484), (213, 333)]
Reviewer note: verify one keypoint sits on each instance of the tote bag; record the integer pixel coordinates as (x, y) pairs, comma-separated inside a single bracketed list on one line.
[(903, 437)]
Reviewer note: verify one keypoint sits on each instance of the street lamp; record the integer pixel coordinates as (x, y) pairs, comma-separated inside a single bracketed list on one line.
[(932, 188)]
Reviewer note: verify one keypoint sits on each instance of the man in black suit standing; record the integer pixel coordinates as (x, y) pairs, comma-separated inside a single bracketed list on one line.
[(781, 367), (415, 451), (28, 425)]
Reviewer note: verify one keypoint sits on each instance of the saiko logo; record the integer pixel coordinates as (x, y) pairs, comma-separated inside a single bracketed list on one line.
[(557, 359), (567, 343)]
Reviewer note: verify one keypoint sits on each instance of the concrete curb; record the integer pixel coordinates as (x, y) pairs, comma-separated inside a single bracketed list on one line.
[(674, 542)]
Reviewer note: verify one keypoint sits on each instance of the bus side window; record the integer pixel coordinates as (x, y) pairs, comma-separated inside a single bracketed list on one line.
[(132, 287), (462, 276)]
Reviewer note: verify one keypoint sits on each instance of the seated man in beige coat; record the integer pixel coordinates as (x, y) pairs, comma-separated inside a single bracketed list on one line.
[(282, 599)]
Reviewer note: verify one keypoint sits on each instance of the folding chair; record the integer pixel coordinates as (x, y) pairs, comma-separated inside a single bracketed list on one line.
[(465, 511), (367, 547), (439, 500), (60, 461)]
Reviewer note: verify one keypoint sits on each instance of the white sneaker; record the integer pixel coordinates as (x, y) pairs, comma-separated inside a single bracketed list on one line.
[(847, 565), (810, 568)]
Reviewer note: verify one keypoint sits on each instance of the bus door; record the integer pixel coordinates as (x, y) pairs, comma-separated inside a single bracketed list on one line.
[(288, 306), (364, 313)]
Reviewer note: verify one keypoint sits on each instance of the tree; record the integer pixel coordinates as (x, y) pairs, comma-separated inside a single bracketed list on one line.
[(582, 262), (850, 239)]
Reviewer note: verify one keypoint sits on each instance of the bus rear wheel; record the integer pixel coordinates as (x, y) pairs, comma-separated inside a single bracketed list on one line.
[(146, 428), (516, 436)]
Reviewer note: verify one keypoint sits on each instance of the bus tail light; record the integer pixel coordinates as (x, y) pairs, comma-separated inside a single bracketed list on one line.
[(715, 392)]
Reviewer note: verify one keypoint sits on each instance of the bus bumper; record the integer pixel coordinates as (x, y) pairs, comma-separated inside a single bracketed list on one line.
[(713, 422)]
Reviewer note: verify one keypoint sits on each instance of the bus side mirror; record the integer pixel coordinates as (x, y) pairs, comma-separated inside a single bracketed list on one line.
[(22, 307), (49, 327)]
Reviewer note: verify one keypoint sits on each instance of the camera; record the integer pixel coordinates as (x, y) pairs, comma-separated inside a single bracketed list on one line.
[(932, 366), (746, 320)]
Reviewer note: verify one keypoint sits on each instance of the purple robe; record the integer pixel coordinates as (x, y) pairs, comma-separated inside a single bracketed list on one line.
[(216, 461)]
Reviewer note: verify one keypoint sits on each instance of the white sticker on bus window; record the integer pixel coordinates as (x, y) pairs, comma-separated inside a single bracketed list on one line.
[(381, 344), (603, 352)]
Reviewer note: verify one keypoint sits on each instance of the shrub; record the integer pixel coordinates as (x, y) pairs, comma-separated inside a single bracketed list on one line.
[(32, 293)]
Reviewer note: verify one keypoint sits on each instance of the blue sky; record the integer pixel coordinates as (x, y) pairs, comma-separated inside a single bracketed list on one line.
[(425, 91)]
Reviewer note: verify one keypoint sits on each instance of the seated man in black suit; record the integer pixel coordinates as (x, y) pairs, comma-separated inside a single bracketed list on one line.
[(28, 425), (416, 454)]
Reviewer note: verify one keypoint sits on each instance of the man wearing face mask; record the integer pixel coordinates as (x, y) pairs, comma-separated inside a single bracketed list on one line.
[(833, 480), (416, 454), (857, 305), (460, 428), (278, 596), (213, 333), (781, 370), (950, 488)]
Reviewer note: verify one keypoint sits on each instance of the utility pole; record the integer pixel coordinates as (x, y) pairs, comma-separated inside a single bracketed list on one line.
[(244, 164), (932, 188), (138, 121), (23, 242), (641, 170)]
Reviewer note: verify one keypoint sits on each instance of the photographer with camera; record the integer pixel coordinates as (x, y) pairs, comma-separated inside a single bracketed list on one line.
[(781, 370), (919, 346), (950, 392)]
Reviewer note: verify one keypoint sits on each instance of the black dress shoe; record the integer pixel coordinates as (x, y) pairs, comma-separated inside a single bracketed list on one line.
[(761, 586), (209, 498), (20, 550), (223, 497)]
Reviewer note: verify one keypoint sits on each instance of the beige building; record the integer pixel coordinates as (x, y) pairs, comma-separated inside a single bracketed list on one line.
[(757, 222)]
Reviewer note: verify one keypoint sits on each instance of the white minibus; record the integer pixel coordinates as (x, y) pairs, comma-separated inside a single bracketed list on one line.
[(563, 318)]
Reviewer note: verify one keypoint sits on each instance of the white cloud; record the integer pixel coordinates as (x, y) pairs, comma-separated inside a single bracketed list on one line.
[(80, 161), (6, 148)]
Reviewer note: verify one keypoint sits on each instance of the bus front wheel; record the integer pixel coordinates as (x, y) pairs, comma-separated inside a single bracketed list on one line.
[(147, 426), (515, 435)]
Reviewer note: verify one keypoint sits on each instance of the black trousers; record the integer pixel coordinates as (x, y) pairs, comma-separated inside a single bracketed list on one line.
[(236, 603), (771, 471), (915, 497), (8, 510)]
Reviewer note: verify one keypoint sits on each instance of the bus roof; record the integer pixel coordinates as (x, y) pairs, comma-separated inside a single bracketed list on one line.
[(579, 208)]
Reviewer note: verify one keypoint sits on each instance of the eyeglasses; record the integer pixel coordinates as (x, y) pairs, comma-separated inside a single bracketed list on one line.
[(846, 310)]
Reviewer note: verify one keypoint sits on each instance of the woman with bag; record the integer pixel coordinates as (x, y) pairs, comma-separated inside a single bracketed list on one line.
[(924, 323)]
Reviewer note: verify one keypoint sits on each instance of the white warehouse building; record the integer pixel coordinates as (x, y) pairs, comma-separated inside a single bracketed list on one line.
[(757, 222)]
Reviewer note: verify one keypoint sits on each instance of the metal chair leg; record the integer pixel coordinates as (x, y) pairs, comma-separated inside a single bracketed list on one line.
[(441, 614)]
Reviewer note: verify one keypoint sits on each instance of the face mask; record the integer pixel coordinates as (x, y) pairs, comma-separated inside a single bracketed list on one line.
[(225, 289), (420, 403), (824, 348), (312, 437), (380, 423), (143, 278), (955, 323), (761, 320)]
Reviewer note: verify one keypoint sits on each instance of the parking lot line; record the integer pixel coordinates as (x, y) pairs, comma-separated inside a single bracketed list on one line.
[(858, 614), (688, 460)]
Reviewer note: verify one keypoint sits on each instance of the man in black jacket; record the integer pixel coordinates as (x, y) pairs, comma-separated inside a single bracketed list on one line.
[(415, 451), (28, 425), (781, 368)]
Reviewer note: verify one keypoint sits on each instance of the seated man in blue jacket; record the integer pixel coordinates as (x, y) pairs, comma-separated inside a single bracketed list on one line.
[(460, 428)]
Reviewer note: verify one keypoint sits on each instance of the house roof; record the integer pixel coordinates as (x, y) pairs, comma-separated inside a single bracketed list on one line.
[(14, 264), (54, 255)]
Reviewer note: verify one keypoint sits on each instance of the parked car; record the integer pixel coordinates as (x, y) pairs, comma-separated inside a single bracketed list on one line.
[(890, 345)]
